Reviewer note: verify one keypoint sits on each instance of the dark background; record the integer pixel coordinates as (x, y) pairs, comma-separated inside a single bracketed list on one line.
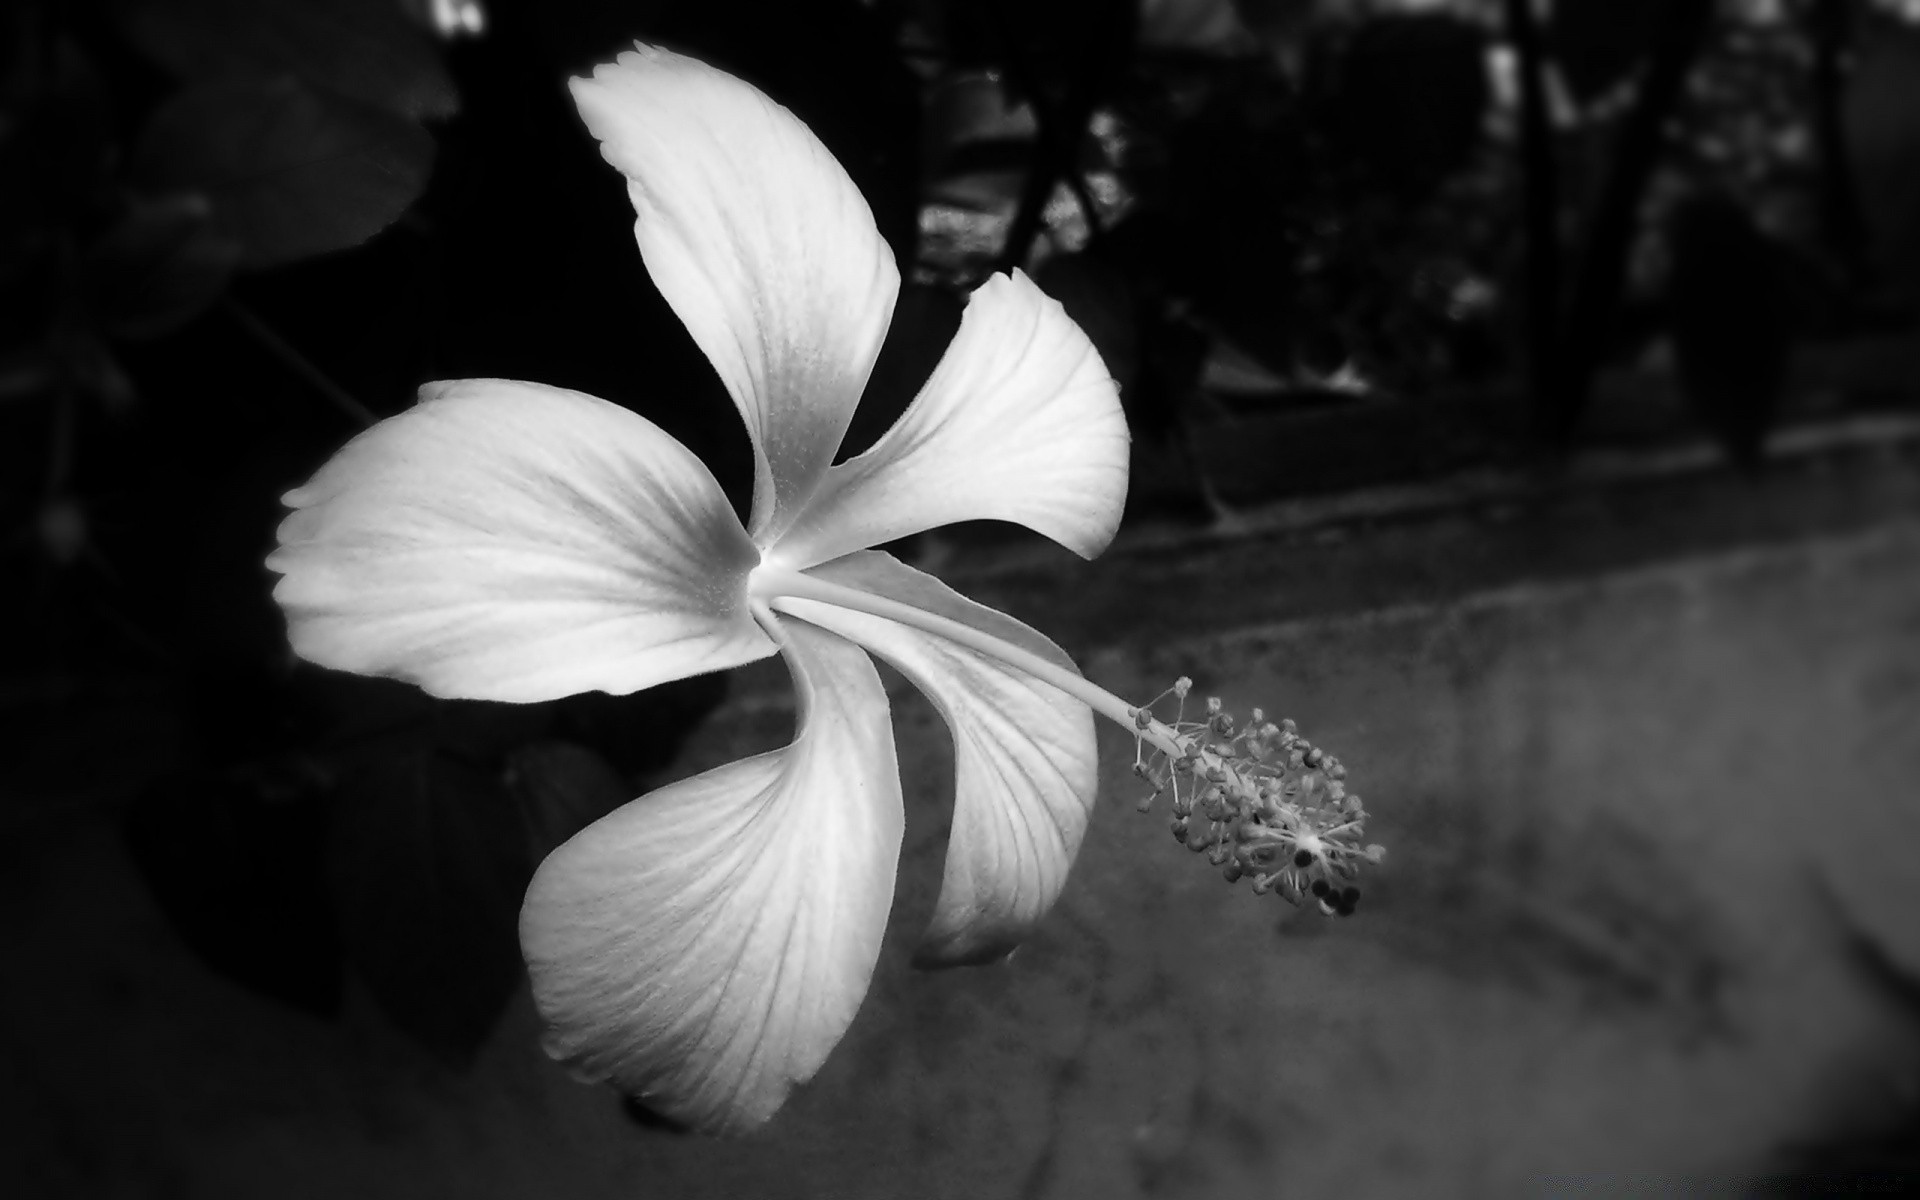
[(1414, 238)]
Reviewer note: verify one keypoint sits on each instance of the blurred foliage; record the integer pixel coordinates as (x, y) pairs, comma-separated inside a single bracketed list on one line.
[(232, 232)]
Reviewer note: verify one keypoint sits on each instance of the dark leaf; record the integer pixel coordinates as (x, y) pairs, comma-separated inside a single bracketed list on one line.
[(562, 788), (291, 171), (234, 862), (160, 267), (366, 50), (429, 861)]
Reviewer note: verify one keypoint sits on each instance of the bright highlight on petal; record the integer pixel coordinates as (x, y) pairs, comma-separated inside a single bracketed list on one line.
[(1019, 422), (705, 946), (1024, 762), (509, 541), (762, 245)]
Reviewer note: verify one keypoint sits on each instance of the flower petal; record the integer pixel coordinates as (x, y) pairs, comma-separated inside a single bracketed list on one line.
[(762, 245), (509, 541), (1019, 422), (705, 946), (1024, 761)]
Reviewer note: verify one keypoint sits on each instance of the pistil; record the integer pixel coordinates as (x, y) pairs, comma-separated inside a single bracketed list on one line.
[(1259, 799)]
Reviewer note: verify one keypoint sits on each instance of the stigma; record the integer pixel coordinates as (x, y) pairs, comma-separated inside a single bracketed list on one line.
[(1258, 799)]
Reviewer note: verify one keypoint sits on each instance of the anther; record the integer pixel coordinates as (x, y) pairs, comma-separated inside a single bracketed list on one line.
[(1271, 804)]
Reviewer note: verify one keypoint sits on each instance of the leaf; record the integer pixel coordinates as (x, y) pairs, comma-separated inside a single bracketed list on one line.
[(160, 267), (562, 788), (365, 50), (428, 864), (236, 868), (291, 172)]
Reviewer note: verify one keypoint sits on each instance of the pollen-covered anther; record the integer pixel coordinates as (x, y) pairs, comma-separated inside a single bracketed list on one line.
[(1259, 799)]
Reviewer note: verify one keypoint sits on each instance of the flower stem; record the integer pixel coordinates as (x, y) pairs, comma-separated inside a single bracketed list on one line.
[(774, 585)]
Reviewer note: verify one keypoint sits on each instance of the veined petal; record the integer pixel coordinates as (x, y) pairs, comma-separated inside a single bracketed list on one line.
[(509, 541), (1019, 422), (705, 946), (762, 245), (1024, 764)]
